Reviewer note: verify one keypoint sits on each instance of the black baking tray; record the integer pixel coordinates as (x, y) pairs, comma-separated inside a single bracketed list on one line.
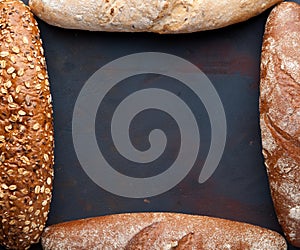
[(230, 57)]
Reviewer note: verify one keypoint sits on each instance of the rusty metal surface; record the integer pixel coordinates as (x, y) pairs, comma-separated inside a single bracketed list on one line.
[(230, 57)]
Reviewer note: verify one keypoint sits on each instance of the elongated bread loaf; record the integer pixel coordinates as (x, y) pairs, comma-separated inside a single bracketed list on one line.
[(161, 16), (280, 114), (26, 133), (152, 231)]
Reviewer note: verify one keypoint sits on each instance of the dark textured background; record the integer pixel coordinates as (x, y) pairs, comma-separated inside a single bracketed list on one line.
[(230, 57)]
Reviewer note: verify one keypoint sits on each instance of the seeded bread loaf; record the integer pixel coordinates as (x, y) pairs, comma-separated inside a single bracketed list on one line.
[(161, 16), (280, 114), (26, 132), (152, 231)]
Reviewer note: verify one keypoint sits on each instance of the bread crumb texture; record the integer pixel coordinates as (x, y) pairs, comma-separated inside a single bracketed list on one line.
[(160, 16), (26, 132), (280, 114)]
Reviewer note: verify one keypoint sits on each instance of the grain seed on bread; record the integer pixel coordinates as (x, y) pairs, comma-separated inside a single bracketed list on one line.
[(26, 130)]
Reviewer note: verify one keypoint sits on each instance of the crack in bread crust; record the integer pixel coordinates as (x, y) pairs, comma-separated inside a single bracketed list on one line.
[(280, 114), (149, 231), (160, 16)]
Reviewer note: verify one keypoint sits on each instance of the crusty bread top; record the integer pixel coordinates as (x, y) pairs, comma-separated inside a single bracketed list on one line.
[(162, 16), (26, 133), (159, 231), (280, 113)]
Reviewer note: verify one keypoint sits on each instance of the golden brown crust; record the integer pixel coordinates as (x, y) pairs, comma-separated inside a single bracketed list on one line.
[(160, 16), (190, 241), (26, 131), (280, 114), (159, 231)]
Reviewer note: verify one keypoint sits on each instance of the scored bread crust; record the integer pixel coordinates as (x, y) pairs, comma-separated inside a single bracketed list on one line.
[(26, 132), (151, 231), (280, 114), (160, 16)]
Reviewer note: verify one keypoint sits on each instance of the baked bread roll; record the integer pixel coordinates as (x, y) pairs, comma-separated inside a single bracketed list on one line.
[(161, 16), (152, 231), (26, 133), (280, 114)]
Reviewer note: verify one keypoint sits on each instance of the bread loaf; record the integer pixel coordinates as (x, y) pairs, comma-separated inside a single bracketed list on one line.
[(152, 231), (26, 133), (280, 114), (161, 16)]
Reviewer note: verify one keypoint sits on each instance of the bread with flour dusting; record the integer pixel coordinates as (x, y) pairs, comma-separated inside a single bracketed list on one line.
[(161, 16), (151, 231), (280, 114)]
